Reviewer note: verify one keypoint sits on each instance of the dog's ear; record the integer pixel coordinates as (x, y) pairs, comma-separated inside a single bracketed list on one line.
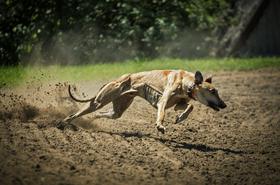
[(198, 78), (126, 81), (209, 79)]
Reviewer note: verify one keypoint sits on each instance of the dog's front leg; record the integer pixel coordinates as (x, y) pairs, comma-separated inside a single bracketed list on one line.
[(184, 114), (161, 108), (160, 115)]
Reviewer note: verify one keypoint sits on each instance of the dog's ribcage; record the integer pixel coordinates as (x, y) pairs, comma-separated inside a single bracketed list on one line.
[(151, 95)]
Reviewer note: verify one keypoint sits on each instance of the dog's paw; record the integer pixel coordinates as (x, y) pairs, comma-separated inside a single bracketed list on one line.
[(177, 120), (60, 125), (63, 125), (161, 129)]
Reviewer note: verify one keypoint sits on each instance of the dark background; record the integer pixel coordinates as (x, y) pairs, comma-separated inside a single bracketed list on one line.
[(82, 31)]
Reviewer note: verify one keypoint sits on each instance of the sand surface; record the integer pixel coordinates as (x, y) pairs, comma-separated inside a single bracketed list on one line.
[(237, 145)]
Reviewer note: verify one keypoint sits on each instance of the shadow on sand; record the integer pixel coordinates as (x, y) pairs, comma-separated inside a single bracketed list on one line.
[(176, 144)]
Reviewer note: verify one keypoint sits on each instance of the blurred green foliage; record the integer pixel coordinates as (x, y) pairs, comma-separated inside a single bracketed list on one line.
[(89, 30)]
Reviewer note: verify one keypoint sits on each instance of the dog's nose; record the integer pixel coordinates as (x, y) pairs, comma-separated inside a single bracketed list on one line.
[(223, 105)]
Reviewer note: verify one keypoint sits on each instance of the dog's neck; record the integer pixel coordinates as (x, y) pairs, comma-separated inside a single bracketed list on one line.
[(190, 91)]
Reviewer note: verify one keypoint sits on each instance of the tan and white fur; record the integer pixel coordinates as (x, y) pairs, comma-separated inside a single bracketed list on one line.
[(161, 88)]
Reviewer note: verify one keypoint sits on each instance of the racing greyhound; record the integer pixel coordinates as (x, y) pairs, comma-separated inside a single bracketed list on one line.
[(161, 88)]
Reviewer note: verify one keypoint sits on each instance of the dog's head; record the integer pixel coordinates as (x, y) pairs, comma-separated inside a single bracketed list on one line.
[(205, 92)]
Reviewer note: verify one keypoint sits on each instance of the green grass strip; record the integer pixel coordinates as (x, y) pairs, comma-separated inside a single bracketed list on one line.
[(12, 76)]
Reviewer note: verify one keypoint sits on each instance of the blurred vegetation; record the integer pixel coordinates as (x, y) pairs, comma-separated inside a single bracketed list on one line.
[(86, 31), (18, 75)]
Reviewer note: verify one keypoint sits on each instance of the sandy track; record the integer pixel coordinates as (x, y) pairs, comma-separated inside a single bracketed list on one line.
[(238, 145)]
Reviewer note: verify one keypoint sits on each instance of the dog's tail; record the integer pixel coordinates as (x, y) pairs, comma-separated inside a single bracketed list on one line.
[(76, 99)]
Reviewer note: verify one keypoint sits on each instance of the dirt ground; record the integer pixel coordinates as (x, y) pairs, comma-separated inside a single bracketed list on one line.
[(237, 145)]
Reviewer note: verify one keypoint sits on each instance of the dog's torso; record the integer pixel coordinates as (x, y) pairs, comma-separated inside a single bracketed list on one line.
[(152, 84)]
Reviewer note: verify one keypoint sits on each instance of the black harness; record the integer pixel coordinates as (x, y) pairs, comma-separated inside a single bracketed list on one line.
[(153, 96)]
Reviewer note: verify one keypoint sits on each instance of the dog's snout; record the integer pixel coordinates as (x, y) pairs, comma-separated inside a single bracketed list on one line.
[(223, 105)]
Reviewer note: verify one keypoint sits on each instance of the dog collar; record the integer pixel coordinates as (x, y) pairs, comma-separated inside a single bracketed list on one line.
[(190, 91)]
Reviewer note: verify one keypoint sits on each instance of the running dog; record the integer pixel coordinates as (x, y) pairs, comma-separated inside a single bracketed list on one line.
[(161, 88)]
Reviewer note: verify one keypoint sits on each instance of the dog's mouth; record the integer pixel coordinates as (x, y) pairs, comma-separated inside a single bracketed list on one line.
[(216, 108), (221, 105)]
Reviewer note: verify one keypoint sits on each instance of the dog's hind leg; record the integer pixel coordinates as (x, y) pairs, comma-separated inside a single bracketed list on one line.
[(88, 108), (108, 93), (119, 106)]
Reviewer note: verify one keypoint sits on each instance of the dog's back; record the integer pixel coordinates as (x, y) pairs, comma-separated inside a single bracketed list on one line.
[(155, 78)]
